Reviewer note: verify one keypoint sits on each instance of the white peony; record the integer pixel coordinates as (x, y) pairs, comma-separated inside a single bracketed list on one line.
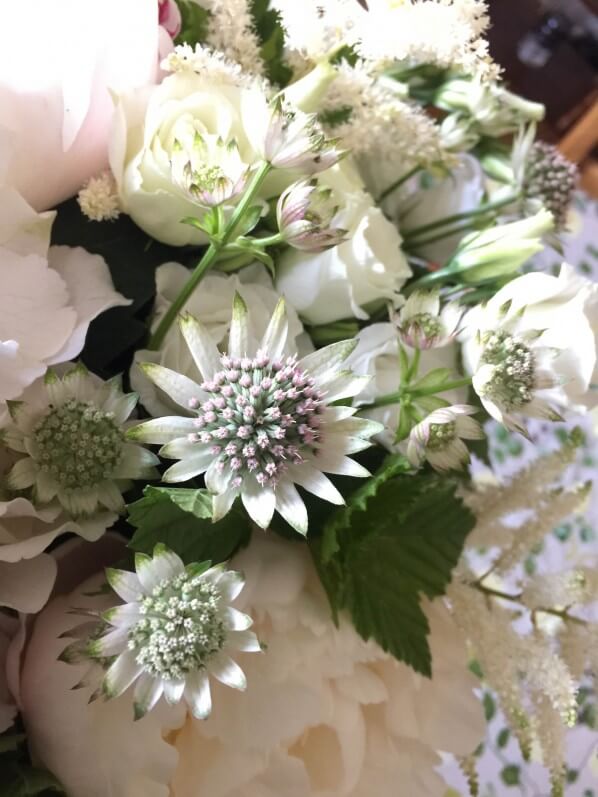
[(565, 310), (365, 270), (55, 103), (377, 355), (152, 125), (49, 296), (324, 714), (211, 304)]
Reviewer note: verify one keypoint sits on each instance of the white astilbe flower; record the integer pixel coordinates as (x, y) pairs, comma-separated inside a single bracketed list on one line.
[(261, 422), (423, 324), (211, 64), (174, 630), (72, 437), (381, 124), (447, 33), (314, 29), (439, 438), (98, 199), (231, 30)]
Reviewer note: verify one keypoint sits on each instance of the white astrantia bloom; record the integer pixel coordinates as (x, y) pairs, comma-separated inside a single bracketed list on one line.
[(261, 422), (175, 629), (306, 216), (98, 199), (424, 325), (71, 432), (439, 438), (532, 347)]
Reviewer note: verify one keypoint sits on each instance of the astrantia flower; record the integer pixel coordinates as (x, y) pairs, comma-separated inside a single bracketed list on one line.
[(207, 168), (439, 438), (305, 214), (174, 630), (550, 179), (261, 421), (423, 325), (294, 140), (71, 432)]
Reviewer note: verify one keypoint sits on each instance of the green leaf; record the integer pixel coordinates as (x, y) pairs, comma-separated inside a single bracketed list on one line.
[(181, 518), (249, 220), (194, 22), (11, 741), (503, 737), (510, 775), (266, 23), (21, 780), (436, 377), (397, 540), (489, 706)]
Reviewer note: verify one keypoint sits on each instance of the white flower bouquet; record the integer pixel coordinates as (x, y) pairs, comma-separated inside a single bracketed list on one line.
[(264, 274)]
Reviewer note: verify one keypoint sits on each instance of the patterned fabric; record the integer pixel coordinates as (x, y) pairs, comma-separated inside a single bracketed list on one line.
[(502, 772)]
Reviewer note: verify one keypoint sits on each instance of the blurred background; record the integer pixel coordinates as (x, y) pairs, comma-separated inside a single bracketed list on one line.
[(549, 51)]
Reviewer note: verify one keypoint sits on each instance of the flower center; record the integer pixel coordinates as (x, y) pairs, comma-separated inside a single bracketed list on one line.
[(551, 178), (512, 382), (181, 627), (441, 434), (260, 415), (78, 444), (425, 323)]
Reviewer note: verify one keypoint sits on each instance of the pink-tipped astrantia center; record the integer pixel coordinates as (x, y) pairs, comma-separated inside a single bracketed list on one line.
[(260, 416)]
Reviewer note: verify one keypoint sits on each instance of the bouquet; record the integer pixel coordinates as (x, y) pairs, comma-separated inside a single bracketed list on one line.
[(267, 271)]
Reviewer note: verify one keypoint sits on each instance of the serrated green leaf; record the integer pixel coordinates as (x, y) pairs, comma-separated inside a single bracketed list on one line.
[(397, 540), (194, 22), (266, 23), (180, 518), (436, 377)]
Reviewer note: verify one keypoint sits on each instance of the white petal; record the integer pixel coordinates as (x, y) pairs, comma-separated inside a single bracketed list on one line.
[(323, 363), (222, 503), (259, 502), (235, 620), (228, 672), (166, 564), (121, 674), (108, 495), (161, 430), (22, 474), (345, 385), (238, 339), (183, 448), (112, 643), (314, 481), (180, 389), (173, 691), (201, 345), (126, 614), (275, 336), (148, 691), (136, 462), (126, 584), (331, 462), (188, 468), (245, 641), (197, 695), (230, 585), (291, 506)]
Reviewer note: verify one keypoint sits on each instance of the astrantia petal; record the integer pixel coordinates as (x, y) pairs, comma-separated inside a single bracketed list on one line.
[(121, 674), (325, 362), (201, 345), (166, 564), (161, 430), (244, 641), (217, 478), (222, 503), (22, 474), (314, 481), (238, 341), (125, 584), (181, 389), (228, 672), (198, 696), (188, 468), (148, 691), (173, 691), (111, 644), (275, 336), (230, 585), (180, 448), (259, 502), (345, 385), (331, 462), (110, 496), (235, 620), (291, 506), (128, 613)]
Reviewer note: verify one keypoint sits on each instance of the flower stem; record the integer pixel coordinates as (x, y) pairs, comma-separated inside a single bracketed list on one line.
[(269, 240), (398, 183), (413, 392), (505, 596), (487, 207), (209, 257)]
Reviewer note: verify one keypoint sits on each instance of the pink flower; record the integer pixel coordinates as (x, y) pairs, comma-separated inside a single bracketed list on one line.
[(169, 17), (58, 80)]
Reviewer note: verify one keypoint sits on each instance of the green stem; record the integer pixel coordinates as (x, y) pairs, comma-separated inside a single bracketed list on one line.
[(428, 280), (269, 240), (398, 183), (495, 593), (505, 596), (209, 258), (414, 366), (466, 214), (412, 245)]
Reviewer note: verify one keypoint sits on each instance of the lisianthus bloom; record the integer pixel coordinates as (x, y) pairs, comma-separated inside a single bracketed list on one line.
[(262, 423), (439, 438), (49, 295), (324, 712), (377, 355), (56, 108), (361, 273), (306, 218), (533, 346), (423, 325), (212, 306), (70, 430), (174, 630)]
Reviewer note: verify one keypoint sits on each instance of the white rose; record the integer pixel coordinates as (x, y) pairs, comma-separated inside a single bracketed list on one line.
[(414, 205), (566, 308), (147, 124), (212, 305), (324, 713), (55, 103), (377, 355), (369, 267), (48, 297)]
